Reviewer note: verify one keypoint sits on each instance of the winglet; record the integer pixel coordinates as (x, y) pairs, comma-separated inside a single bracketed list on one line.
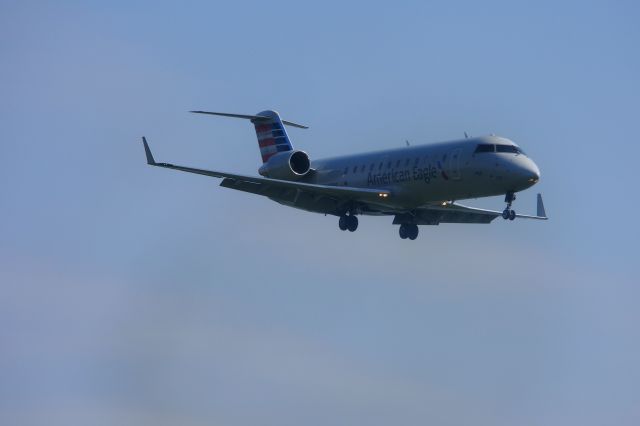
[(540, 211), (147, 151)]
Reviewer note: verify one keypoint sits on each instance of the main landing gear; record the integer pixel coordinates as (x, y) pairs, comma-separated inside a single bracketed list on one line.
[(508, 212), (408, 230), (349, 222)]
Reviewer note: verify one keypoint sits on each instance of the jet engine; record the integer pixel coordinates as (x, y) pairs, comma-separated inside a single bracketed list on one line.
[(288, 165)]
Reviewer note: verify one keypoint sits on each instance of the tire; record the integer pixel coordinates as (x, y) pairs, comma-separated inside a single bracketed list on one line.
[(413, 232), (505, 214), (352, 223), (512, 214), (343, 223), (403, 232)]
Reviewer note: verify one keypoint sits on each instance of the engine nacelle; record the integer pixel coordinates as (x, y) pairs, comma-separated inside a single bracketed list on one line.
[(288, 165)]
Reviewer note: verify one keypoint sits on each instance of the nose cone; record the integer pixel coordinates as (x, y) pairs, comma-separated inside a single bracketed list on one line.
[(534, 172), (528, 173)]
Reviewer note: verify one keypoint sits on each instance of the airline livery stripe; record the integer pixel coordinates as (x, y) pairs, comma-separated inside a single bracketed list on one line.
[(263, 128), (268, 150), (279, 148), (263, 135), (266, 127), (267, 142), (270, 132), (271, 139), (270, 136)]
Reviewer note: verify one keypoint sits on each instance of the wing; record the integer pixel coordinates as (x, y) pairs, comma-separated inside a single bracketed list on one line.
[(274, 187), (458, 213)]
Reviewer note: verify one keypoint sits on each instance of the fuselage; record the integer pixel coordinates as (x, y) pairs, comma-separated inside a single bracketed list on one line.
[(426, 174)]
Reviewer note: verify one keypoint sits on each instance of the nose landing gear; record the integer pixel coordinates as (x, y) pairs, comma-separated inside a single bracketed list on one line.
[(349, 222), (509, 213)]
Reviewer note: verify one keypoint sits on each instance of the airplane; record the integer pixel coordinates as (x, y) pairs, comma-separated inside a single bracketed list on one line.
[(416, 184)]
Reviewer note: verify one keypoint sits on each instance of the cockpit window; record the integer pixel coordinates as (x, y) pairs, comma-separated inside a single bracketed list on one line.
[(509, 148), (485, 147)]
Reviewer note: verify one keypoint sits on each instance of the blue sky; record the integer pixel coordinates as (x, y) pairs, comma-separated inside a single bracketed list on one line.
[(136, 295)]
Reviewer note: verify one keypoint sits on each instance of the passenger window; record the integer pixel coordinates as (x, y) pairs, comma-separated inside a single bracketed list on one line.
[(346, 170), (380, 166), (484, 147), (355, 169)]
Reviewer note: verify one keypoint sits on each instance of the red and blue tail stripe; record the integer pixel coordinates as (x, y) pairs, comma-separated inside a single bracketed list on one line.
[(272, 137)]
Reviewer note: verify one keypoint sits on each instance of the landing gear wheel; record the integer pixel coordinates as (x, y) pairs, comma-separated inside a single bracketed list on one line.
[(506, 214), (413, 232), (343, 223), (403, 232), (512, 214), (408, 230), (352, 223)]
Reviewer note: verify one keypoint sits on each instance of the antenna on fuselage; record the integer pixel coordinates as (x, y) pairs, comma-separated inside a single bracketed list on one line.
[(466, 136), (407, 142)]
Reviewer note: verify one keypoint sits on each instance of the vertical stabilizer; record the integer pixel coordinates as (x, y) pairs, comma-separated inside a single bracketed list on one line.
[(272, 136)]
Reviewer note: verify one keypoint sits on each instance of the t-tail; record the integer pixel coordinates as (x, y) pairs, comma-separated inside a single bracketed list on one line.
[(272, 136)]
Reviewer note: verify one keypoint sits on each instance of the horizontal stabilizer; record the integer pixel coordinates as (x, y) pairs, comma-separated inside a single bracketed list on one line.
[(253, 118)]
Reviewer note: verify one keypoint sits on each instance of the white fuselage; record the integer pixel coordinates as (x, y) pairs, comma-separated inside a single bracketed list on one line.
[(427, 174)]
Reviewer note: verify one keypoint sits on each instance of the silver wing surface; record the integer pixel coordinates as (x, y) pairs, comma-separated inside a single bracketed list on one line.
[(458, 213), (288, 192)]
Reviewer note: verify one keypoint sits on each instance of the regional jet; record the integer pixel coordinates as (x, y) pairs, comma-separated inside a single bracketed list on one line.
[(417, 185)]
